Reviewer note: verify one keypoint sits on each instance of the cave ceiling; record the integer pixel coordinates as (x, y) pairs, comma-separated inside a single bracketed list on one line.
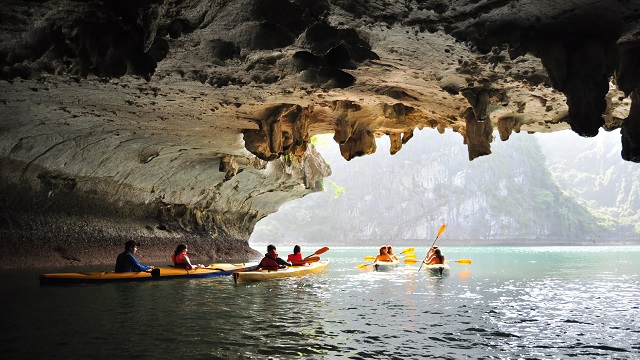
[(213, 75)]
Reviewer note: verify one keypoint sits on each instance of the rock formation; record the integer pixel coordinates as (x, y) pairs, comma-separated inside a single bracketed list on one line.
[(171, 121)]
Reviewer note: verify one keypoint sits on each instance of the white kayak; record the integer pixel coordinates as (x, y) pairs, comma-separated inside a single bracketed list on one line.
[(439, 269), (385, 265)]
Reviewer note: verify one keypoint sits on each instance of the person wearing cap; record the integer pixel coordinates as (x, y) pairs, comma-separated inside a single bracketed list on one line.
[(127, 262)]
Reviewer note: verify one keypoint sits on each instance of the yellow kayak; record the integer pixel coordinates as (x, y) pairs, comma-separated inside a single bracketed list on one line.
[(261, 275), (159, 273)]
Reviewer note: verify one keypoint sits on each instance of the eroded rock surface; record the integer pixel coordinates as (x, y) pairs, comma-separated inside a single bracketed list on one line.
[(170, 121)]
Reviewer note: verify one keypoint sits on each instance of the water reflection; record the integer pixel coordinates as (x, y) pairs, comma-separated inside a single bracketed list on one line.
[(510, 303)]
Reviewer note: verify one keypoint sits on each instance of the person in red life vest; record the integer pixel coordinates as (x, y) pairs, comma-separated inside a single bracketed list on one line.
[(181, 259), (296, 258), (271, 260)]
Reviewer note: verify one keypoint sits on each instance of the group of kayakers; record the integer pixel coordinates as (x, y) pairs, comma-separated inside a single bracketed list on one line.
[(127, 262), (272, 261), (386, 254), (434, 256)]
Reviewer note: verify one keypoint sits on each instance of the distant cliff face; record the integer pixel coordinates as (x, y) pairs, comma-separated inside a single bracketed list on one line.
[(507, 198), (164, 113)]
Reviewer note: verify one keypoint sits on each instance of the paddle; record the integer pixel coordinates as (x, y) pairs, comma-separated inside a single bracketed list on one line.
[(407, 250), (318, 252), (442, 227), (460, 261)]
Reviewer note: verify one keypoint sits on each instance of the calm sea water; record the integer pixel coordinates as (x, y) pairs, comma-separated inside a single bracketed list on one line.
[(510, 303)]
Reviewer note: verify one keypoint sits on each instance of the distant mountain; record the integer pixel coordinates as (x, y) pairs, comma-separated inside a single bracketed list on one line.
[(590, 170), (508, 197)]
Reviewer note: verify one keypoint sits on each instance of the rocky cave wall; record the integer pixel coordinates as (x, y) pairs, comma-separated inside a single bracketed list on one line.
[(172, 121)]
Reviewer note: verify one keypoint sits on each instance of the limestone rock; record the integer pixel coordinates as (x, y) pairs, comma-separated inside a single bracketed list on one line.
[(189, 118)]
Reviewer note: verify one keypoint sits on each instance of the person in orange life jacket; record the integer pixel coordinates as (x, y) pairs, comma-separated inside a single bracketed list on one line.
[(127, 262), (383, 255), (436, 257), (296, 257), (271, 261), (181, 259)]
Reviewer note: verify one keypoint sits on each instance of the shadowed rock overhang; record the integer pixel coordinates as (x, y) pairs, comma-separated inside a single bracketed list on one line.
[(195, 117)]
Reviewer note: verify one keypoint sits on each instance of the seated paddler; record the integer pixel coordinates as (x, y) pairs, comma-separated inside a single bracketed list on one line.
[(384, 256), (180, 258), (271, 260), (296, 258)]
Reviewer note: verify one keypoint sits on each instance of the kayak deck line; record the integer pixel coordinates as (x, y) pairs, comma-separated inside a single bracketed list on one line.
[(159, 273)]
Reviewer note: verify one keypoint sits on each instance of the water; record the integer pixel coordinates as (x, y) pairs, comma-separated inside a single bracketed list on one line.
[(510, 303)]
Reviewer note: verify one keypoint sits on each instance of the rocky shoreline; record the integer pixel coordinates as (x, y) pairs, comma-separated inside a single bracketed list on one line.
[(55, 243)]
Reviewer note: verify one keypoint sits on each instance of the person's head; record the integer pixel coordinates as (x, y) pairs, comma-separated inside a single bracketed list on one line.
[(130, 246), (389, 249), (180, 249), (383, 250), (271, 248), (296, 249), (437, 252)]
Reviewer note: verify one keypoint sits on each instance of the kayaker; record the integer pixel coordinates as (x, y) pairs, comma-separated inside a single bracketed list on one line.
[(384, 256), (181, 259), (271, 260), (296, 257), (436, 257), (390, 253), (127, 262)]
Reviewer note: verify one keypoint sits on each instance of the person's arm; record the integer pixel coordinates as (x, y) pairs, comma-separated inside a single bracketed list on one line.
[(136, 266), (281, 261), (187, 263)]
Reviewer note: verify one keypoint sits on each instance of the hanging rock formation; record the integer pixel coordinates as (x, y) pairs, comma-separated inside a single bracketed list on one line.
[(190, 120)]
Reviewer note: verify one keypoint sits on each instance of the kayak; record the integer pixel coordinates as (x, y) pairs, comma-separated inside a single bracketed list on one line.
[(159, 273), (385, 265), (261, 275), (439, 269)]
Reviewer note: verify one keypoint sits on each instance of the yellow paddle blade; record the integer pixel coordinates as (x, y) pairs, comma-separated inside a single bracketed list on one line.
[(407, 250), (369, 258), (410, 261), (362, 265), (464, 261), (410, 256), (444, 226)]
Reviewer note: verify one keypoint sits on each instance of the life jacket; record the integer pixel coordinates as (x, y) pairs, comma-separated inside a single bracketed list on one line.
[(384, 257), (295, 259), (269, 261), (179, 260)]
